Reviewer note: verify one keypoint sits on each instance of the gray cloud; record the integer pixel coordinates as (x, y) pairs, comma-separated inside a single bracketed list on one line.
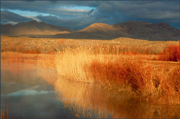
[(106, 8), (91, 12), (9, 17), (67, 14), (150, 10), (72, 23)]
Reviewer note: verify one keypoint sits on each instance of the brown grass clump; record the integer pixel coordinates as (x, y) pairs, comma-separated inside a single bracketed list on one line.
[(143, 80), (69, 63), (91, 100), (139, 78), (170, 53)]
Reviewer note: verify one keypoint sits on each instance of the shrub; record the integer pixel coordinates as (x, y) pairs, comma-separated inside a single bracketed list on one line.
[(171, 53)]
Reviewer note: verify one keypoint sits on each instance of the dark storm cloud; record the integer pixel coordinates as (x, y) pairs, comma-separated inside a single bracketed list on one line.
[(73, 23), (109, 12), (91, 11), (7, 16), (45, 6), (152, 10)]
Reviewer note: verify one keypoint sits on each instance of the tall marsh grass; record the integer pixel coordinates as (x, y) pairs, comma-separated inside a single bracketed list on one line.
[(142, 80), (70, 63), (92, 100), (170, 53)]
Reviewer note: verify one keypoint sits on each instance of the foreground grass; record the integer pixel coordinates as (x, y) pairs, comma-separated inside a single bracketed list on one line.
[(88, 100), (140, 77), (142, 80), (117, 65), (170, 53)]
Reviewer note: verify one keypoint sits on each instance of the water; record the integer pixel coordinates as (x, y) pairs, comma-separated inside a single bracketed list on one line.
[(34, 92)]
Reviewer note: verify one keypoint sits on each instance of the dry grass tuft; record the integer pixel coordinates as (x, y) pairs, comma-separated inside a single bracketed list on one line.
[(70, 63), (120, 65), (141, 79), (170, 53), (144, 81)]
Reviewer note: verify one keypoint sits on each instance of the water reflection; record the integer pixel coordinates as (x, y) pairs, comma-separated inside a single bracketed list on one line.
[(91, 100), (29, 95), (40, 92)]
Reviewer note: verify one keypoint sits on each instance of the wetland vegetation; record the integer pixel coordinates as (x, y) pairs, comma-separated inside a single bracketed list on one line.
[(103, 72)]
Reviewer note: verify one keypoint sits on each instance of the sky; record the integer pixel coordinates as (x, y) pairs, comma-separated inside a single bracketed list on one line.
[(80, 14)]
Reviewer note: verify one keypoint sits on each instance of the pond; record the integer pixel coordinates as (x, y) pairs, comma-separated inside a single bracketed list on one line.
[(35, 92)]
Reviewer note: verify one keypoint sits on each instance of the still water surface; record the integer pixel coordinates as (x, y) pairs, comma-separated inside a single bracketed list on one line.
[(34, 92)]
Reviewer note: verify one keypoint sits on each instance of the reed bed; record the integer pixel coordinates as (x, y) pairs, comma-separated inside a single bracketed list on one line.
[(89, 100), (17, 57), (113, 64), (170, 53), (70, 63), (44, 60), (46, 45), (142, 80)]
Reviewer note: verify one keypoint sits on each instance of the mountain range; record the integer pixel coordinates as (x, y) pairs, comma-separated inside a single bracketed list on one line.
[(130, 29)]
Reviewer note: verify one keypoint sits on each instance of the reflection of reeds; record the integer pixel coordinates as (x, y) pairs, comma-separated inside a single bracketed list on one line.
[(45, 60), (15, 58), (72, 96), (92, 100), (15, 69), (47, 74), (4, 115)]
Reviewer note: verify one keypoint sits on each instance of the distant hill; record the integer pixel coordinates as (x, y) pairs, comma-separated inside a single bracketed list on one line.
[(103, 31), (6, 26), (130, 29), (145, 30), (32, 28)]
